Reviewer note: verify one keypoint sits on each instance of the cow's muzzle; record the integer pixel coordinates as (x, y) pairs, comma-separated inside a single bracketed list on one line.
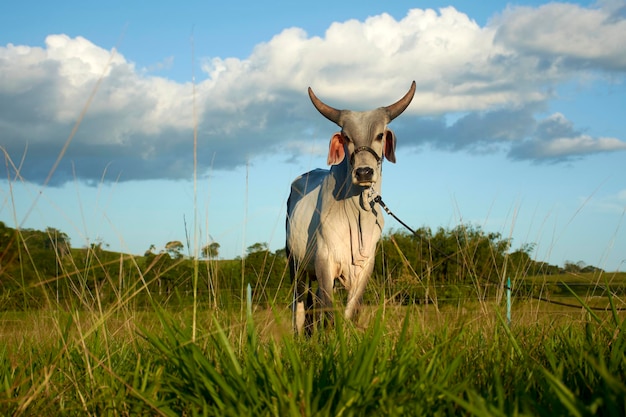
[(364, 174)]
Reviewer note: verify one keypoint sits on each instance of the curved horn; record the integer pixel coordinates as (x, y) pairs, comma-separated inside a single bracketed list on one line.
[(328, 112), (399, 106)]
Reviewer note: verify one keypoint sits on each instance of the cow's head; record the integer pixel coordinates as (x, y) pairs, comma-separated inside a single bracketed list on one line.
[(364, 138)]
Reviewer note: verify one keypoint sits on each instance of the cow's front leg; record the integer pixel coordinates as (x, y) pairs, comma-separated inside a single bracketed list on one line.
[(325, 299), (355, 294)]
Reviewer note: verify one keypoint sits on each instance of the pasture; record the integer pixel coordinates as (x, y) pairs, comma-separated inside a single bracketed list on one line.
[(461, 359)]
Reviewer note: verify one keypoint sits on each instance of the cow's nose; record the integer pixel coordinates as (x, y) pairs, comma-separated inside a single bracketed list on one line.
[(364, 174)]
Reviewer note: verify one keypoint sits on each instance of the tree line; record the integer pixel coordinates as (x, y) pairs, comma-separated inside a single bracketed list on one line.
[(39, 268)]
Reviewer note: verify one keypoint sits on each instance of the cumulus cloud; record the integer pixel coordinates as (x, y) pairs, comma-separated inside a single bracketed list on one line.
[(480, 89), (565, 36)]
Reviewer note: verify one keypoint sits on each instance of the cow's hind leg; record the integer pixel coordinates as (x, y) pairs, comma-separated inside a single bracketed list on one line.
[(309, 322), (303, 307)]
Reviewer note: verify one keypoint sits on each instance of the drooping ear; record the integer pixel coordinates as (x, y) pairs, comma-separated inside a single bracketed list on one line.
[(390, 146), (336, 152)]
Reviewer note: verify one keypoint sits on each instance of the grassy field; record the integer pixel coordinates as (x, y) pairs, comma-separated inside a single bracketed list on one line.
[(98, 343), (400, 360)]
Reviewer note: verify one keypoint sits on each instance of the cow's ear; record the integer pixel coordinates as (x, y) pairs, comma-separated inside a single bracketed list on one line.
[(336, 151), (390, 146)]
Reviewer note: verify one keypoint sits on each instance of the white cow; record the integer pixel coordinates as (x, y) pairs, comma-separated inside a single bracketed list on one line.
[(333, 225)]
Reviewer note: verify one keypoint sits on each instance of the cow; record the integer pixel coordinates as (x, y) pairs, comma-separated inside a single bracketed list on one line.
[(333, 224)]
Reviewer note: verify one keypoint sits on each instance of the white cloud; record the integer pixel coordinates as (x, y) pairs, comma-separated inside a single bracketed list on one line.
[(80, 61), (569, 147), (497, 76), (567, 35), (555, 138), (454, 61)]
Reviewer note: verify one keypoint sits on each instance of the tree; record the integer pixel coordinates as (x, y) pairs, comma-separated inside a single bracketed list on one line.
[(572, 267), (415, 265), (256, 259), (211, 251), (282, 253), (58, 241), (174, 249), (265, 271), (257, 247), (150, 250)]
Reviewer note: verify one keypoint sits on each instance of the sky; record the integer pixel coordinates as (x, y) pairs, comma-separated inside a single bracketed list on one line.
[(133, 125)]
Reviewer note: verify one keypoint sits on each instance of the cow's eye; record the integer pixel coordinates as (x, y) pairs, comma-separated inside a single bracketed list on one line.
[(380, 136)]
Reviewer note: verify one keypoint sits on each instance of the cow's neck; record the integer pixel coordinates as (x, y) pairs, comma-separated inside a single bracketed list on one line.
[(363, 216)]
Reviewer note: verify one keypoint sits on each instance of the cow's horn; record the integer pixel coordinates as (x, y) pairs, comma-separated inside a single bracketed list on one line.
[(328, 112), (399, 106)]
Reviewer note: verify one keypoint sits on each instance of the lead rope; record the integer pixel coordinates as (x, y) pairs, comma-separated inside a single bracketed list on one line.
[(378, 199)]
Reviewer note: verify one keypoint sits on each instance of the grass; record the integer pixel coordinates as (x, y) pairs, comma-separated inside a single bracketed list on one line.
[(90, 357), (408, 361)]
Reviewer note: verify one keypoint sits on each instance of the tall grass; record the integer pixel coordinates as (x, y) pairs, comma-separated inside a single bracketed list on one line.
[(77, 363)]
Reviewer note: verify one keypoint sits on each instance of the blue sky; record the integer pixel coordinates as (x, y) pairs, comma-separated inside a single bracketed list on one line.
[(517, 124)]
